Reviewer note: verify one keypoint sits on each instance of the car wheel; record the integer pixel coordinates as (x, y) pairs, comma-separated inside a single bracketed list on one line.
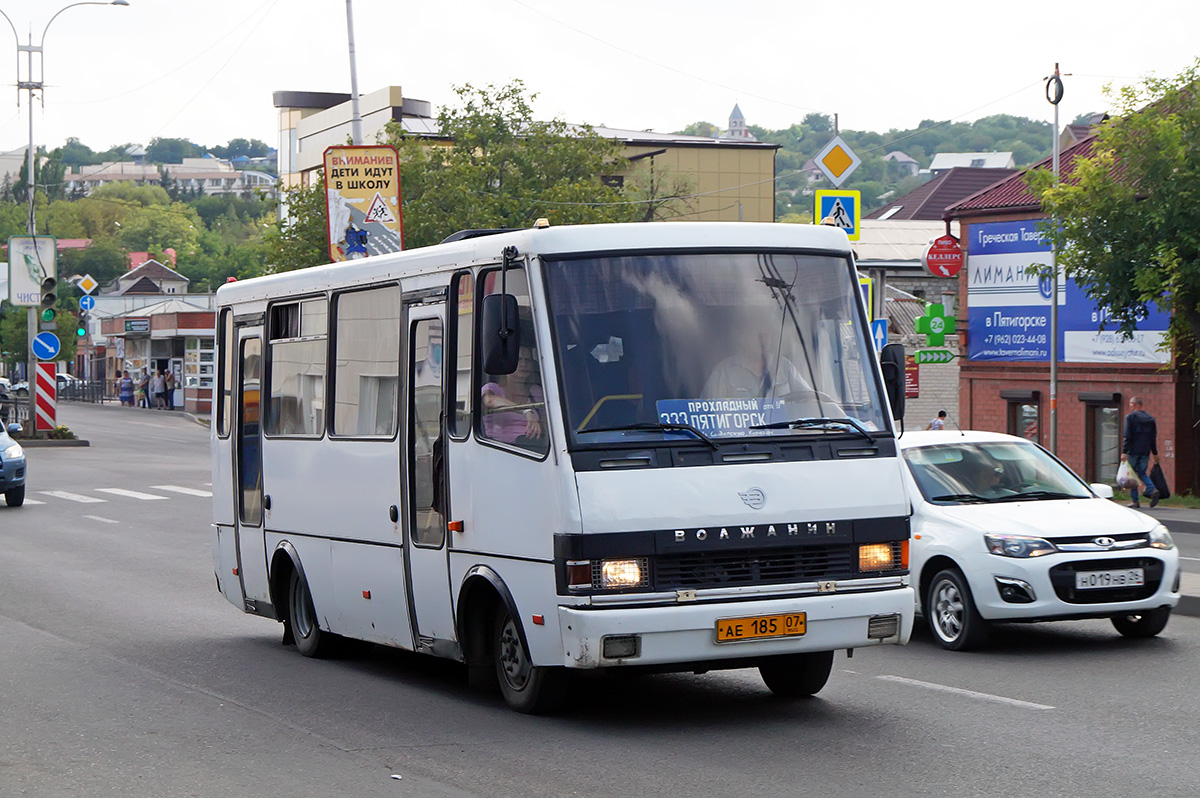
[(797, 675), (529, 689), (951, 613), (1143, 624), (15, 497), (311, 641)]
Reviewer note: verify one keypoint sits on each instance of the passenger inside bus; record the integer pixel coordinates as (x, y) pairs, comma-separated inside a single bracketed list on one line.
[(513, 405)]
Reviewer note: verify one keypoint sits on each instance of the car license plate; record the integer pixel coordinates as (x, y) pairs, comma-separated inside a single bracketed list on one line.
[(1095, 580), (759, 627)]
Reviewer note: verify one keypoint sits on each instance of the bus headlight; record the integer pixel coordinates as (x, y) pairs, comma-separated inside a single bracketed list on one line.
[(620, 574), (883, 556)]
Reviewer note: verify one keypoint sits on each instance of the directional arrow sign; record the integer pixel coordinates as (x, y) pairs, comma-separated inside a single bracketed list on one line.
[(934, 356), (87, 302), (46, 346)]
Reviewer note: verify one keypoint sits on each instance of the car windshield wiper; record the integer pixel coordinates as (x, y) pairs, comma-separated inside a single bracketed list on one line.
[(1038, 494), (840, 424), (661, 426), (966, 498)]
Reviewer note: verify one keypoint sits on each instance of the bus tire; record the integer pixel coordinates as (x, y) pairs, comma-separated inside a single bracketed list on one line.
[(311, 641), (527, 688), (797, 675), (15, 497)]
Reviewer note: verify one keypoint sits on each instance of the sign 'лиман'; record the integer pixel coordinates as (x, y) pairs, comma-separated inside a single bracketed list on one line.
[(362, 191)]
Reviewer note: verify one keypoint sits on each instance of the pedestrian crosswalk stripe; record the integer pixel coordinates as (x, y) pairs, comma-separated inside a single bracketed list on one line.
[(102, 519), (33, 501), (132, 494), (185, 491), (73, 497)]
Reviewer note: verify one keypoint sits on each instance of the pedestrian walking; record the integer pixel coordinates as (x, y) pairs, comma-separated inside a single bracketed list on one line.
[(170, 395), (939, 421), (1140, 449), (125, 389)]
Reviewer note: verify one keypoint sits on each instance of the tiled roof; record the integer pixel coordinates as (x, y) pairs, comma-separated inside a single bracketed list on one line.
[(931, 200), (1013, 194), (155, 271)]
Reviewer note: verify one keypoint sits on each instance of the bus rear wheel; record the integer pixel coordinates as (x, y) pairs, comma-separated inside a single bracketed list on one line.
[(527, 688), (311, 641), (797, 675)]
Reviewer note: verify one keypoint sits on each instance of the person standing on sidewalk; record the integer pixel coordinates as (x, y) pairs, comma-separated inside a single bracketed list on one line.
[(169, 396), (1141, 444)]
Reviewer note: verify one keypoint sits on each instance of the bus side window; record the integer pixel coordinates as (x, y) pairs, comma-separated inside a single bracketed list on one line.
[(512, 407), (460, 352), (296, 362), (225, 347), (366, 362)]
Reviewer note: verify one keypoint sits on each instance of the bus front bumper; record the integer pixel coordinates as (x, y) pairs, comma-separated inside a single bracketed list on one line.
[(678, 634)]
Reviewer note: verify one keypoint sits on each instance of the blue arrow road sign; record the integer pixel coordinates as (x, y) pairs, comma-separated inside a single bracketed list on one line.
[(46, 346), (87, 302), (879, 334)]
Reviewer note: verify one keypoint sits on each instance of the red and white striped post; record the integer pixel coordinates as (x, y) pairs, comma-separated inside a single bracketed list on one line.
[(47, 397)]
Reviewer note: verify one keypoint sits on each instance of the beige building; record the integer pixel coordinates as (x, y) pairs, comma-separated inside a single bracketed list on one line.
[(722, 179)]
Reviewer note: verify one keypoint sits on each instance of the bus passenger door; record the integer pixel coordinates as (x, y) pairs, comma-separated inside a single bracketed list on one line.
[(247, 473), (427, 553)]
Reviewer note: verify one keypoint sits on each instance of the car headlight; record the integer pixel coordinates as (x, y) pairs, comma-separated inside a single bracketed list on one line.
[(15, 451), (1160, 538), (1018, 546)]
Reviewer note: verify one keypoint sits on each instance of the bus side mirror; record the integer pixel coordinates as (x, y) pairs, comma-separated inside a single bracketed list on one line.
[(892, 361), (499, 334)]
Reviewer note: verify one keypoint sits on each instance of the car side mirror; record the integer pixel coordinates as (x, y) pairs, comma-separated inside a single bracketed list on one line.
[(891, 359), (499, 334), (1102, 490), (14, 429)]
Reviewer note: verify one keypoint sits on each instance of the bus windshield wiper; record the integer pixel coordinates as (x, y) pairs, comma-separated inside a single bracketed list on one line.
[(661, 426), (819, 423), (965, 498)]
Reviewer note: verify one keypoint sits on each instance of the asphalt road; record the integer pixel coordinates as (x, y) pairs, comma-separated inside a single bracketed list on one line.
[(125, 673)]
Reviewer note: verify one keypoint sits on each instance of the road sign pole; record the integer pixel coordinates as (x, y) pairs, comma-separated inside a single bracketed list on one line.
[(30, 377)]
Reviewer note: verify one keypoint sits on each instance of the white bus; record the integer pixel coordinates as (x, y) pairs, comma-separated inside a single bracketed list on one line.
[(659, 447)]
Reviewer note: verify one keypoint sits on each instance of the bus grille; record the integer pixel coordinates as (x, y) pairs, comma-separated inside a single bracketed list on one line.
[(771, 566)]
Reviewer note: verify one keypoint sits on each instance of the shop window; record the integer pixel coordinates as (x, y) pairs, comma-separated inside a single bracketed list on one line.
[(1024, 414)]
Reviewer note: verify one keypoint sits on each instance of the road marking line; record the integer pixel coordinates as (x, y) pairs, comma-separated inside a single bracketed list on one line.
[(184, 491), (132, 494), (1192, 559), (71, 497), (33, 501), (102, 519), (999, 699)]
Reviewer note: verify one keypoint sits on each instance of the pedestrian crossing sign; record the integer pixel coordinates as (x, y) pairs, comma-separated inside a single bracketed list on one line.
[(842, 209)]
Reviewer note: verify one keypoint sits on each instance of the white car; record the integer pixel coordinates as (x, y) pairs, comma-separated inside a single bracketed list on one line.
[(1003, 531)]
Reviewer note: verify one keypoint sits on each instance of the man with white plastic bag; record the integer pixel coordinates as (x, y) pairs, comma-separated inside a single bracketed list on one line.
[(1141, 444)]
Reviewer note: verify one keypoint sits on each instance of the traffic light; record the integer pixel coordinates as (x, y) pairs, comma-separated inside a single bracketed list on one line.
[(81, 324), (49, 297)]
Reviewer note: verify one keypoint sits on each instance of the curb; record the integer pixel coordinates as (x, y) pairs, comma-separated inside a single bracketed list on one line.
[(1188, 605), (49, 443)]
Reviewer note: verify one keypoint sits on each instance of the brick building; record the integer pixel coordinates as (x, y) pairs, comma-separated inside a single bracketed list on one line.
[(1004, 382)]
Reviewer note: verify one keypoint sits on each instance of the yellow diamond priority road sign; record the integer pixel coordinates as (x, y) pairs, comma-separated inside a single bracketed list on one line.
[(837, 161)]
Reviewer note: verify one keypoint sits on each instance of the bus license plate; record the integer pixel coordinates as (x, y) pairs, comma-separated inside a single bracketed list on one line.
[(1096, 580), (759, 627)]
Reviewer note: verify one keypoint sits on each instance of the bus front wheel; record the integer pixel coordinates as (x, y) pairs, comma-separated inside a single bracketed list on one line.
[(527, 688), (797, 675), (302, 615)]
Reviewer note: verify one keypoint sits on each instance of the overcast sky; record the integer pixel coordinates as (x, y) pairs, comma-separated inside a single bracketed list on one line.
[(205, 70)]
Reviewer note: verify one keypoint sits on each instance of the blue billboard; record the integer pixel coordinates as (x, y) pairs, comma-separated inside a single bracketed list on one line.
[(1008, 306)]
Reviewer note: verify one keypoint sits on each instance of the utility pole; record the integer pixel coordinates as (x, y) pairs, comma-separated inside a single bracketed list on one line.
[(1054, 94), (355, 116)]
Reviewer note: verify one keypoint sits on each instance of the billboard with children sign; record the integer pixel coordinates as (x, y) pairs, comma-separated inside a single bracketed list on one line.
[(362, 194)]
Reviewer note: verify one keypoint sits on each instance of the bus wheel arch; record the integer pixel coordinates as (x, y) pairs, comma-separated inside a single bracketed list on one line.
[(482, 594), (290, 595)]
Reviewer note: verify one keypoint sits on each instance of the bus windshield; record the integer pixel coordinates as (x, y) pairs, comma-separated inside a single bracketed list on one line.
[(727, 345)]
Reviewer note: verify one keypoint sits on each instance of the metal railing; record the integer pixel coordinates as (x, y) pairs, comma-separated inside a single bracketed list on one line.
[(14, 410), (94, 391)]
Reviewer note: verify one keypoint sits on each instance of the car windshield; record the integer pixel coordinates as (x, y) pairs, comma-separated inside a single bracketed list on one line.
[(729, 345), (990, 472)]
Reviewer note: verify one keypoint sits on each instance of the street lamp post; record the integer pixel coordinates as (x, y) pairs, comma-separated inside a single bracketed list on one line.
[(31, 85)]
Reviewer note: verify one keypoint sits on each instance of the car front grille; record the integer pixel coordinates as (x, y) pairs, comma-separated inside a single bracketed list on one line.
[(1063, 578), (770, 566)]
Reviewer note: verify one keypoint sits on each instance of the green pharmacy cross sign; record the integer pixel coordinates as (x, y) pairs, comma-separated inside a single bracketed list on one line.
[(935, 325), (934, 356)]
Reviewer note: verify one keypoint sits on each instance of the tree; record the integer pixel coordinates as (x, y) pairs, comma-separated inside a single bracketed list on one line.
[(818, 123), (706, 129), (300, 239), (1126, 226), (172, 150)]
